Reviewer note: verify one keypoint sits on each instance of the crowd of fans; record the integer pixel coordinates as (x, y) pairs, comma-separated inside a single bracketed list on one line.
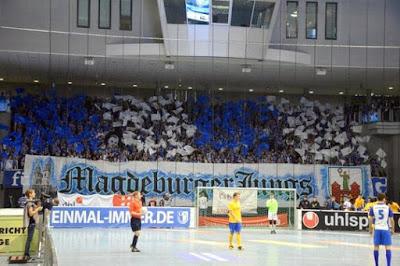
[(345, 204), (122, 128), (386, 109)]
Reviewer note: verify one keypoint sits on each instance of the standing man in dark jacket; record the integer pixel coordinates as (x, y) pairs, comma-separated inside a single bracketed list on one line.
[(315, 204), (304, 203), (31, 218)]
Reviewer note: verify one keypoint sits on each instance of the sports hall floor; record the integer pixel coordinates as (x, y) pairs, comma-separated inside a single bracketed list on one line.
[(209, 247)]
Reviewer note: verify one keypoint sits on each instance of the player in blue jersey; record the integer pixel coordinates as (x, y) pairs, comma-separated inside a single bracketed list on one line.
[(380, 215)]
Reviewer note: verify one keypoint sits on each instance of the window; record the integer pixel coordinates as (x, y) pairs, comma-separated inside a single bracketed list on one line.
[(291, 19), (220, 11), (125, 14), (198, 11), (241, 13), (252, 13), (311, 20), (83, 13), (104, 14), (262, 14), (175, 11), (331, 21)]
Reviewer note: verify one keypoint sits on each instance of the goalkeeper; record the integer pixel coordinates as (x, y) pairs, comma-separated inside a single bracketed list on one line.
[(272, 207), (235, 220)]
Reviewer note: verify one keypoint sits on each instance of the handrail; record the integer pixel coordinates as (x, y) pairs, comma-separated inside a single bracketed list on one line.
[(47, 252)]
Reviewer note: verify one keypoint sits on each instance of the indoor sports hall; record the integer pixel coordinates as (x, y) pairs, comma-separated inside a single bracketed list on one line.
[(200, 132)]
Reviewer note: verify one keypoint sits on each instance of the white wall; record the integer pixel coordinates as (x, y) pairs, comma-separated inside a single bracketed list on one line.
[(62, 19), (361, 23)]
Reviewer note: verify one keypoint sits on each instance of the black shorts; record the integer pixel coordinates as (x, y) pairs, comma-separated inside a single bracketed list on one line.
[(136, 224)]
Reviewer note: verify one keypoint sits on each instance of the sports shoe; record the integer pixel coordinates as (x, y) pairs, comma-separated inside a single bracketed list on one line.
[(135, 250), (230, 247), (240, 248)]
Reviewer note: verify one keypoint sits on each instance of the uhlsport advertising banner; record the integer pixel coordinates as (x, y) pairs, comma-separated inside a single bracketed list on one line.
[(158, 217), (339, 220), (82, 182)]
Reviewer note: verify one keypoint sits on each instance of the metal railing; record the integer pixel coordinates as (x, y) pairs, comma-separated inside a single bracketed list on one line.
[(47, 252)]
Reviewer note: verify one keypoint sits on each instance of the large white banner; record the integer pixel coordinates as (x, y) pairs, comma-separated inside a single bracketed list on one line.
[(91, 183), (76, 199), (223, 196)]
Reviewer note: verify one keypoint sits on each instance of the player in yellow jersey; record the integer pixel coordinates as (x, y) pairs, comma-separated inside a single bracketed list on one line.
[(235, 220), (359, 203), (272, 206), (370, 204), (394, 206)]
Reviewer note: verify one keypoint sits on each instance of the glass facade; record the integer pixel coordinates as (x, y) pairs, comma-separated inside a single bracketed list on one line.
[(262, 14), (241, 13), (125, 15), (331, 21), (311, 20), (175, 11), (220, 11), (104, 14), (292, 9), (83, 20)]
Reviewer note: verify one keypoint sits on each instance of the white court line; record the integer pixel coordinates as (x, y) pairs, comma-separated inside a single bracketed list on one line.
[(199, 256), (214, 256)]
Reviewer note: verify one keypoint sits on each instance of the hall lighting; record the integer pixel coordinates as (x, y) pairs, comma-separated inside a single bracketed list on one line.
[(320, 71), (372, 94), (189, 88), (220, 7), (1, 79), (166, 87), (220, 89), (246, 68), (89, 61), (69, 82), (341, 92), (102, 84), (281, 91), (134, 85), (251, 90), (311, 92), (390, 88), (169, 66), (294, 14), (35, 81)]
